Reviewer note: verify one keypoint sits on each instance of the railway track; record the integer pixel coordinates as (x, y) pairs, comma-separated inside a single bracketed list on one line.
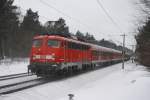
[(11, 88), (17, 82), (12, 76)]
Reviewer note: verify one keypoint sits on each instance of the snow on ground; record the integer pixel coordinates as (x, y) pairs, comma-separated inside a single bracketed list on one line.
[(110, 83), (8, 67)]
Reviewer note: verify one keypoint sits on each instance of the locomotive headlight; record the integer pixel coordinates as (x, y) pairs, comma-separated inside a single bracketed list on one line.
[(43, 57), (36, 56), (49, 57)]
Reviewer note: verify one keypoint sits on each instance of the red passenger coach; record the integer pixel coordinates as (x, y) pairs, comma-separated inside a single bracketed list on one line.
[(52, 54)]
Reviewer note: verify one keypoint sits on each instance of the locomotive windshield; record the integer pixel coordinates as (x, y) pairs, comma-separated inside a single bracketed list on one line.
[(53, 43), (37, 43)]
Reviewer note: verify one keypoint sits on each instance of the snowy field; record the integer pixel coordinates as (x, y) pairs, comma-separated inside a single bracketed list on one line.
[(8, 67), (110, 83)]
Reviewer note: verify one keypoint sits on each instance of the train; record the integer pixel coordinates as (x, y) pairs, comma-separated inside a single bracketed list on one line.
[(51, 54)]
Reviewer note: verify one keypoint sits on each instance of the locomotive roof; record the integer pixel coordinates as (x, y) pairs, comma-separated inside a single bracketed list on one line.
[(93, 46)]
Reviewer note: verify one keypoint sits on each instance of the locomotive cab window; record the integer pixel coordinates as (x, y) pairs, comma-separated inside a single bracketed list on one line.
[(37, 43), (53, 43)]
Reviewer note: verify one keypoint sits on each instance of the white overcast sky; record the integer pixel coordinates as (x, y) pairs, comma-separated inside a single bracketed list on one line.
[(88, 16)]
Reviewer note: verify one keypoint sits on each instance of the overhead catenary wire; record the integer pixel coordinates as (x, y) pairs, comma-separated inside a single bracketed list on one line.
[(24, 10), (76, 20), (59, 11), (112, 20), (116, 25), (64, 14), (107, 14)]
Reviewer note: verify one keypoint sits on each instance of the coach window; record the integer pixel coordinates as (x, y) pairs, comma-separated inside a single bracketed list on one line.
[(53, 43)]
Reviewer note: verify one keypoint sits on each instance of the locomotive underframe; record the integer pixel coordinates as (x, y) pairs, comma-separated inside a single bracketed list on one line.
[(43, 69)]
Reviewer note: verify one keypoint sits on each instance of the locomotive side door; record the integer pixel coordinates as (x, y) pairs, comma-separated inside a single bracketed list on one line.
[(65, 51)]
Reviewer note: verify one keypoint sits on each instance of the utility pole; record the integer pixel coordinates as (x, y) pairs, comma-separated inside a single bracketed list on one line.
[(123, 50)]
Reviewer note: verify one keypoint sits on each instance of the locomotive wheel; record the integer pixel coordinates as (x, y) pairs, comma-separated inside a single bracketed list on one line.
[(70, 70), (59, 72)]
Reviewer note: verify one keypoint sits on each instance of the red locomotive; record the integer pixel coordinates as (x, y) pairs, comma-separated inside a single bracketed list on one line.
[(53, 53)]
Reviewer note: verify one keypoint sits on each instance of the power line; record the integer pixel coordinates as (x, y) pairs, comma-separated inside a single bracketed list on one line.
[(38, 15), (43, 2), (107, 14), (101, 5), (50, 6), (59, 11)]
